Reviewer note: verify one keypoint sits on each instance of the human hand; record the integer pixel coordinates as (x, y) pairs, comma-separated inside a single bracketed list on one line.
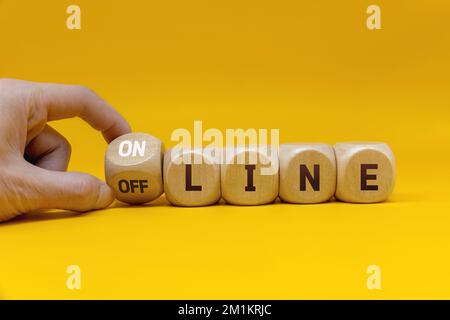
[(34, 156)]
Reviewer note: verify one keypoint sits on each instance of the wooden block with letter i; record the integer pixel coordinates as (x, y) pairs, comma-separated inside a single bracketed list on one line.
[(365, 171), (133, 167), (192, 177), (307, 172), (249, 175)]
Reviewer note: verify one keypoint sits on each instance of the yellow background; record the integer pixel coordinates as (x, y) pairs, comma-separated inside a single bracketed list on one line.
[(311, 69)]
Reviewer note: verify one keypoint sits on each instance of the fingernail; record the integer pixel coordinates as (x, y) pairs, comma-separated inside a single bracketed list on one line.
[(105, 197)]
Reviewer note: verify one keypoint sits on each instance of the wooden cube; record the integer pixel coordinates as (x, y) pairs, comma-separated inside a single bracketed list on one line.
[(191, 177), (307, 172), (133, 167), (249, 176), (365, 171)]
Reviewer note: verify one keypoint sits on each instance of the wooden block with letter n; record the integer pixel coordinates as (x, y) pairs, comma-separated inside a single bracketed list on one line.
[(249, 175), (192, 177), (365, 171), (133, 167), (307, 172)]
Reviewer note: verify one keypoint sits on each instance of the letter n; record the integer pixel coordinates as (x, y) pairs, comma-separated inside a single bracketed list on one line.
[(314, 181)]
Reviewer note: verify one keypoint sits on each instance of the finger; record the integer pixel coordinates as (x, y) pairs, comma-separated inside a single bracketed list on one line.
[(67, 101), (64, 190), (49, 150)]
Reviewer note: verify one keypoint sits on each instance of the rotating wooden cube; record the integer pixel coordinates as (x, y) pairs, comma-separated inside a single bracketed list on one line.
[(133, 167)]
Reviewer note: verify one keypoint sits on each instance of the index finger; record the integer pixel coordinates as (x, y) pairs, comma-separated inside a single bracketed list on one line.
[(68, 101)]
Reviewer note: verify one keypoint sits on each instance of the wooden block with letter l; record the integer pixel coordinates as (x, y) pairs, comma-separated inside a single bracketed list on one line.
[(192, 177), (365, 171), (250, 175), (307, 172), (133, 167)]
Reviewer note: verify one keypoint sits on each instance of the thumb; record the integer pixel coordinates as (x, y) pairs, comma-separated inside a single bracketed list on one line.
[(67, 190)]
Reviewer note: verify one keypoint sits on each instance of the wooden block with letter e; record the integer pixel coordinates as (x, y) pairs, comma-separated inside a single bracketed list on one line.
[(365, 171), (249, 175), (133, 167), (192, 177), (307, 172)]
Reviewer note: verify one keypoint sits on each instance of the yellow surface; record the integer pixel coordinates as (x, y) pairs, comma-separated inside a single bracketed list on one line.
[(311, 69)]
